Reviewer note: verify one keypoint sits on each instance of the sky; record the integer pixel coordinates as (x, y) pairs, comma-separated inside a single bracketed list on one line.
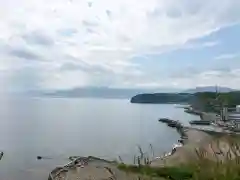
[(64, 44)]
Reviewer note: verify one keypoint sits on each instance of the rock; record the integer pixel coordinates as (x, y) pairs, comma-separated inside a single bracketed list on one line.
[(181, 141), (1, 155), (39, 157), (164, 120), (94, 168)]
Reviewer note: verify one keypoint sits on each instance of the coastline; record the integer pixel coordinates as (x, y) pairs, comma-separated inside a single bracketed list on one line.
[(190, 138), (82, 167), (194, 141), (212, 145)]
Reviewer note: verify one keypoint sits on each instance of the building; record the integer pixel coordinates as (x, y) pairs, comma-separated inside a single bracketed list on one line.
[(232, 115)]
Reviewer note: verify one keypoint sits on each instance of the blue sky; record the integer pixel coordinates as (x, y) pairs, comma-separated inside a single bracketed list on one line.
[(66, 44), (222, 54)]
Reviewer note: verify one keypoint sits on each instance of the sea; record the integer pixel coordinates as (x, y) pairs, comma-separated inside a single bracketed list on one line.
[(56, 128)]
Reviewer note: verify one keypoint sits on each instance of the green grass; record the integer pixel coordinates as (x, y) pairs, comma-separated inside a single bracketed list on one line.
[(173, 173), (210, 170), (202, 170)]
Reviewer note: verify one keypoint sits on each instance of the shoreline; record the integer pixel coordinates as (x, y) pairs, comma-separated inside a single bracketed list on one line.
[(101, 168), (213, 145), (79, 164), (192, 140), (76, 163)]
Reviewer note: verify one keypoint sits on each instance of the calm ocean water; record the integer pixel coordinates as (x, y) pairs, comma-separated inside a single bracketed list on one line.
[(58, 128)]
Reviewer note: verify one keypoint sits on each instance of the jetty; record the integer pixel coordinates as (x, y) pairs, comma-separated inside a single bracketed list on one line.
[(171, 123), (200, 122)]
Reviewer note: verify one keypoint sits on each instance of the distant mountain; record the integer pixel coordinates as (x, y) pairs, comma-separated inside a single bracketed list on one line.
[(209, 89), (99, 92), (105, 92)]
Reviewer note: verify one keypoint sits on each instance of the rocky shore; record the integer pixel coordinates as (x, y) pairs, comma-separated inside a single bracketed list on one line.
[(91, 168), (196, 143), (95, 168)]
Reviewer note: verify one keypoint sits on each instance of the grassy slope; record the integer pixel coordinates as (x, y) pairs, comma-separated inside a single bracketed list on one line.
[(226, 168), (201, 170)]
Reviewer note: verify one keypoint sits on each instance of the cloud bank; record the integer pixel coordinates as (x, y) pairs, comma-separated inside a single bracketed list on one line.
[(61, 44)]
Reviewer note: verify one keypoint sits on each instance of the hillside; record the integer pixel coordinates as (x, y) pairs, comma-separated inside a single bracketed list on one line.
[(209, 101), (203, 101), (161, 98)]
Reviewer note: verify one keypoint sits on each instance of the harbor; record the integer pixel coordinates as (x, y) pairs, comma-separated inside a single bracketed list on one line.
[(209, 121)]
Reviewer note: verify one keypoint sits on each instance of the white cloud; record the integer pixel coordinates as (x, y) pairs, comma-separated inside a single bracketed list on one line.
[(224, 78), (194, 77), (210, 44), (104, 34), (226, 56)]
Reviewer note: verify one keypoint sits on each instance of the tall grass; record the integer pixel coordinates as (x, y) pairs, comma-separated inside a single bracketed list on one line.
[(223, 166)]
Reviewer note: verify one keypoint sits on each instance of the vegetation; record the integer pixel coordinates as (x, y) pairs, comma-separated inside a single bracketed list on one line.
[(159, 98), (175, 173), (210, 101), (201, 170), (203, 101), (226, 168), (230, 99)]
